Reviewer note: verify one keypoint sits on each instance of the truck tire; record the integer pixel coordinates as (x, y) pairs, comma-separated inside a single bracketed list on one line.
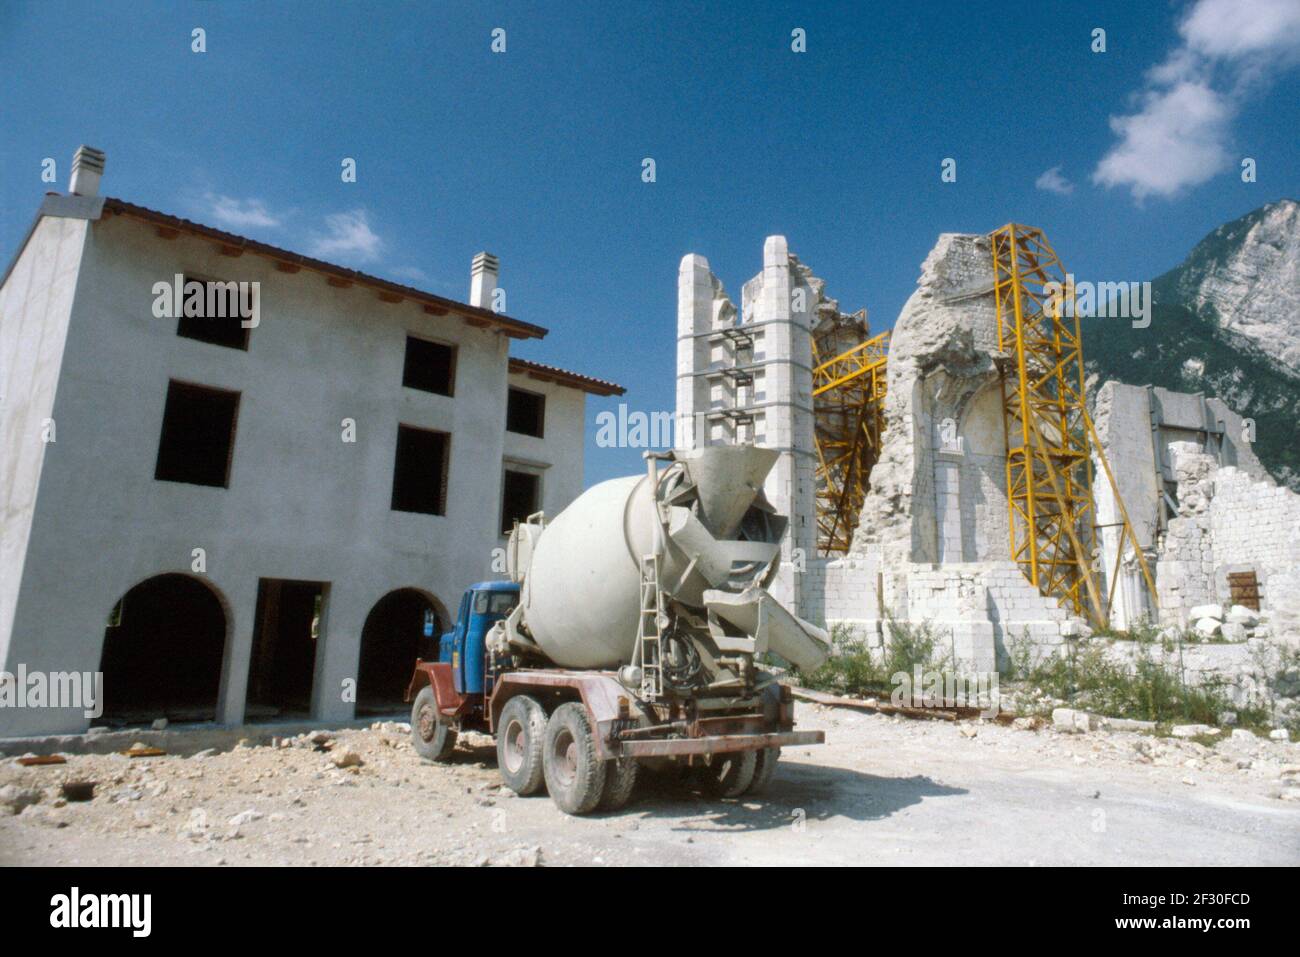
[(521, 732), (764, 769), (433, 737), (729, 775), (620, 780), (574, 775)]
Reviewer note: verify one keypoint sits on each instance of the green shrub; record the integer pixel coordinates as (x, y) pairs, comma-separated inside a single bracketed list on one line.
[(1149, 691), (854, 669)]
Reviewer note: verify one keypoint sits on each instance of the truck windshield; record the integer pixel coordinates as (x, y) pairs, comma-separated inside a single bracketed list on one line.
[(495, 602)]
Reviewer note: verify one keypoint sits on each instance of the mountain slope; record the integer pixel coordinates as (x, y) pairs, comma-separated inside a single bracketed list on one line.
[(1225, 322)]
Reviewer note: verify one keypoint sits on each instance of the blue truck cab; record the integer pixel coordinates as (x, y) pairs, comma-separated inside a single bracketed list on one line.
[(462, 648)]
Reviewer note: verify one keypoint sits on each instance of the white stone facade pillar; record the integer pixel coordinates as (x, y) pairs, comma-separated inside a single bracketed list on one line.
[(786, 305), (694, 322)]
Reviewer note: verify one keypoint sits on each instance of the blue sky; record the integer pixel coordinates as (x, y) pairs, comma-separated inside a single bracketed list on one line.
[(535, 153)]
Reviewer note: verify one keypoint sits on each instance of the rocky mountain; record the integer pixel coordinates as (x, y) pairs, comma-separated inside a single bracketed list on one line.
[(1225, 322)]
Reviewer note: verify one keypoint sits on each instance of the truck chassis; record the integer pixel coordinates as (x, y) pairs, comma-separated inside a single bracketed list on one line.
[(585, 736)]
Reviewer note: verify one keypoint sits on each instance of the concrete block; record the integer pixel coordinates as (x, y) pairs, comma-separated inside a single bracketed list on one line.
[(1192, 730), (1233, 631), (1207, 627), (1128, 724), (1241, 615), (1075, 628), (1067, 719)]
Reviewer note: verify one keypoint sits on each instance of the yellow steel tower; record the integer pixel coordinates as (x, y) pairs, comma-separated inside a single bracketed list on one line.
[(1050, 439)]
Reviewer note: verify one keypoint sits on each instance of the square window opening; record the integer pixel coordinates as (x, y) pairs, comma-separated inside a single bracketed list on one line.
[(525, 413), (429, 366), (521, 497), (198, 435), (215, 312), (420, 471)]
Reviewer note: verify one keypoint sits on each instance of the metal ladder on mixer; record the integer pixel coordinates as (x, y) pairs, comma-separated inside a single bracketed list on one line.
[(648, 630)]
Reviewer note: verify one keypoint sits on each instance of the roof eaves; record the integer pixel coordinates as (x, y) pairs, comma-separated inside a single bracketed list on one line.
[(435, 304)]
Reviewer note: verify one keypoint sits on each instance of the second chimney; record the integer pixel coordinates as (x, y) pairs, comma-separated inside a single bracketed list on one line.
[(483, 280), (87, 168)]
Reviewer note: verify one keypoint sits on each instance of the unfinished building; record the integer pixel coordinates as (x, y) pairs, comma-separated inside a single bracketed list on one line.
[(240, 519), (1001, 499)]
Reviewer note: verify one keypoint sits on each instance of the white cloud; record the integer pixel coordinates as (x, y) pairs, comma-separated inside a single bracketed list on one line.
[(1174, 141), (1179, 134), (240, 213), (348, 236), (1235, 29), (1054, 181)]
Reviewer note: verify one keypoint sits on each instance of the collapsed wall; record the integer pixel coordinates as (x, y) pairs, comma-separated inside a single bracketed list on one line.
[(940, 364), (935, 518), (1232, 533)]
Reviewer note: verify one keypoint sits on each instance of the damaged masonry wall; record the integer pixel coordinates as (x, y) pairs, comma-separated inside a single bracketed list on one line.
[(1229, 523), (936, 515), (932, 543)]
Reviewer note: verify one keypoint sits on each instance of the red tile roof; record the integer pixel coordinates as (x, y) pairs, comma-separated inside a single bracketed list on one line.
[(515, 328), (574, 380)]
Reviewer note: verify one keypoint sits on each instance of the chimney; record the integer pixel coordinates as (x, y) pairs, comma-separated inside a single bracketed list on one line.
[(483, 280), (87, 168)]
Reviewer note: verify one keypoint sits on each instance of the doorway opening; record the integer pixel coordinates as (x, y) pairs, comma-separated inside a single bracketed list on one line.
[(404, 625), (285, 636), (162, 654)]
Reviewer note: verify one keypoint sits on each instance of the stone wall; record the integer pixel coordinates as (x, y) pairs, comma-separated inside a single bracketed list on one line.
[(1249, 672), (843, 591), (1229, 522)]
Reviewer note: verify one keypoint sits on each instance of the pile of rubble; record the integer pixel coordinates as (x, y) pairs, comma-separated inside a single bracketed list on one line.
[(1239, 624)]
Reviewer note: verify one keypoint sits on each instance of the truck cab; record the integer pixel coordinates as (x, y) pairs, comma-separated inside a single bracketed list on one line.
[(462, 648)]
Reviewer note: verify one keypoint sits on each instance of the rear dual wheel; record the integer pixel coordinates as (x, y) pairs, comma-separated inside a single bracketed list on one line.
[(575, 776), (560, 753), (764, 769), (520, 737), (729, 775), (620, 781), (739, 773)]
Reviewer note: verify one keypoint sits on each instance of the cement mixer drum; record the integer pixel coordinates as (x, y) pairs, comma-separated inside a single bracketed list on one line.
[(704, 517)]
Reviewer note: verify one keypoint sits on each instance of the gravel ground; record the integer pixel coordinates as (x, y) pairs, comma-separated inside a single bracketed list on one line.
[(881, 791)]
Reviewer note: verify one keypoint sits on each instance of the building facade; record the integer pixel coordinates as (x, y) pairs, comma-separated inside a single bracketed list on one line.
[(259, 518)]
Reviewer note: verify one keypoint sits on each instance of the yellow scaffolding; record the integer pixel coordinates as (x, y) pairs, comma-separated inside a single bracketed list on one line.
[(1051, 443), (1050, 439), (848, 403)]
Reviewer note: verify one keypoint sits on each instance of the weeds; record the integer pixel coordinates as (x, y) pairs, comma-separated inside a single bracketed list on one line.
[(1148, 690), (853, 668)]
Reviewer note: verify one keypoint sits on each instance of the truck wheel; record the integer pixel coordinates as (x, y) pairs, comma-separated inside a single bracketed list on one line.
[(620, 780), (730, 774), (520, 736), (764, 769), (574, 775), (434, 738)]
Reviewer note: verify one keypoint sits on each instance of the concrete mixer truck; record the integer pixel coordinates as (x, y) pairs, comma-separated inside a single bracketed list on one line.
[(632, 633)]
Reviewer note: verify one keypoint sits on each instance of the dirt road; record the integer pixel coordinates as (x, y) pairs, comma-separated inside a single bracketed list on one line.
[(882, 791)]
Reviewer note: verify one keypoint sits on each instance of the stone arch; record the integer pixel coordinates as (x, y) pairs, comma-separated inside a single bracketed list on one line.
[(163, 650), (396, 632)]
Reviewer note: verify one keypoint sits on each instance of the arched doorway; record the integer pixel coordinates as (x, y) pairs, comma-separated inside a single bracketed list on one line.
[(163, 650), (404, 625)]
